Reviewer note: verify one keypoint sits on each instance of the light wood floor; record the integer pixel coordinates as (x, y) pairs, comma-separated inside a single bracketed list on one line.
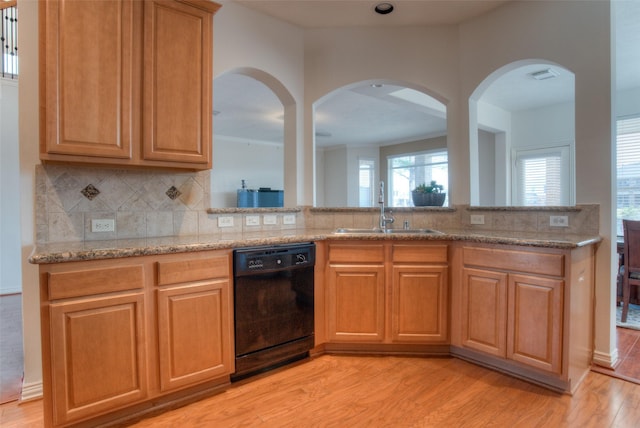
[(365, 391)]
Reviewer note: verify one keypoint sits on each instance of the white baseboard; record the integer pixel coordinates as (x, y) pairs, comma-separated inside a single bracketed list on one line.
[(10, 289), (31, 391), (608, 360)]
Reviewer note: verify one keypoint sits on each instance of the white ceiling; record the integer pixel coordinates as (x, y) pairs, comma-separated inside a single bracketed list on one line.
[(365, 115), (353, 13)]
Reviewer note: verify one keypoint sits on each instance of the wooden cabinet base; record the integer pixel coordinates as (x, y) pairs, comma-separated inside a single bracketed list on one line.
[(165, 403), (512, 368), (418, 350)]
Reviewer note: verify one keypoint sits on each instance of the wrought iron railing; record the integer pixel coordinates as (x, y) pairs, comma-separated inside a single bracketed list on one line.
[(9, 39)]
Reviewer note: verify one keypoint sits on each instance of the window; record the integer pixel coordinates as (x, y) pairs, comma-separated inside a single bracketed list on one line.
[(628, 170), (409, 170), (365, 182), (542, 176), (9, 36)]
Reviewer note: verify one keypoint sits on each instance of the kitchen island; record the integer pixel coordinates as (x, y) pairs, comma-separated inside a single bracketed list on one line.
[(145, 309)]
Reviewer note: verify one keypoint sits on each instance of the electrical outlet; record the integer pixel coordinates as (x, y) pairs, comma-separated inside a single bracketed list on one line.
[(559, 221), (103, 225), (270, 219), (225, 221), (252, 220), (289, 219), (477, 219)]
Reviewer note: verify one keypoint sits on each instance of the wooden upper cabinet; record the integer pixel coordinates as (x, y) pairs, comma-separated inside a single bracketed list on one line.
[(89, 73), (178, 45), (127, 82)]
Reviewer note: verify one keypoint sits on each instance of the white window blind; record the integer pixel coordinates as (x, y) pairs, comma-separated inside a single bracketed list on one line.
[(542, 177), (628, 170)]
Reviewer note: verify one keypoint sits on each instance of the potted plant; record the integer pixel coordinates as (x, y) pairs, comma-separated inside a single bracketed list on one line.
[(430, 195)]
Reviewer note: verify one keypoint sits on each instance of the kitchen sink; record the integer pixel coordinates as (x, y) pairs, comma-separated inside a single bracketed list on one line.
[(352, 231)]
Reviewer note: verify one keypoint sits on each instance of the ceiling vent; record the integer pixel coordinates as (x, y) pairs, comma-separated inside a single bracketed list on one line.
[(544, 74)]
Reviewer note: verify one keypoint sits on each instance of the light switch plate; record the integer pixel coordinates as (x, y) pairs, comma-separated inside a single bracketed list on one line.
[(559, 221), (289, 219), (252, 220), (103, 225), (477, 219), (225, 221), (270, 219)]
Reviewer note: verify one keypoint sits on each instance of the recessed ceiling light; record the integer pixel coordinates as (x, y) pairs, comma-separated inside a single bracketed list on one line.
[(544, 74), (384, 8), (377, 85)]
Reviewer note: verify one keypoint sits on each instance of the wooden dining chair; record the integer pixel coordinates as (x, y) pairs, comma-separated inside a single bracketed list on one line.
[(631, 268)]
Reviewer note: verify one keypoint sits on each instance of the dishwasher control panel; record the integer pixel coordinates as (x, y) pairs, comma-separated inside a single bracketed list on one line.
[(273, 258)]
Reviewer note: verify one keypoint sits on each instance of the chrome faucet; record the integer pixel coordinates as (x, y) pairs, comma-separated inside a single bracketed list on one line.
[(384, 220)]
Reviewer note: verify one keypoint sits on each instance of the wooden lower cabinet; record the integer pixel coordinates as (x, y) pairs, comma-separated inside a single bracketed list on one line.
[(419, 304), (125, 334), (534, 326), (356, 302), (484, 311), (98, 355), (513, 316), (512, 305), (194, 321), (387, 292)]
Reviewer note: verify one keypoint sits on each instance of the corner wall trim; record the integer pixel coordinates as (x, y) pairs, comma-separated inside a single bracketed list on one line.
[(31, 391), (606, 360)]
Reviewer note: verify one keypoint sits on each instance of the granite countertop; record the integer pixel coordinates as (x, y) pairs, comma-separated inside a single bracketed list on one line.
[(94, 250)]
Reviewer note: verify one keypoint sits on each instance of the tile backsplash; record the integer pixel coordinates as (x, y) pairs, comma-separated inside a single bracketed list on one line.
[(141, 203), (149, 204)]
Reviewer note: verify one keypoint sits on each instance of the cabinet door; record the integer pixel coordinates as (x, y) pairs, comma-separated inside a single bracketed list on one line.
[(356, 303), (177, 113), (419, 304), (535, 321), (484, 311), (194, 323), (98, 356), (89, 72)]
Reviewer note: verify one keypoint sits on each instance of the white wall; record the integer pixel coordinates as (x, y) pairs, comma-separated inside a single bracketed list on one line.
[(29, 158), (542, 127), (247, 39), (10, 278), (628, 102), (487, 161), (335, 177), (260, 164)]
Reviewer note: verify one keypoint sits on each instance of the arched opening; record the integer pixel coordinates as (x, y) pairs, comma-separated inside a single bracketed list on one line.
[(522, 136), (254, 115), (378, 130)]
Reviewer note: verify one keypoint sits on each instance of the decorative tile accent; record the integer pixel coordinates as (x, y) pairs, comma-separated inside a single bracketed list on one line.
[(90, 192), (173, 193)]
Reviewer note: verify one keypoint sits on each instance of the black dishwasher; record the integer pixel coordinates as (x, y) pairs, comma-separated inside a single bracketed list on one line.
[(273, 302)]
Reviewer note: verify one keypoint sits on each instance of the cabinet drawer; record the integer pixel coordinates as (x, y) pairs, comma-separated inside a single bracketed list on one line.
[(419, 253), (516, 261), (86, 282), (358, 253), (175, 272)]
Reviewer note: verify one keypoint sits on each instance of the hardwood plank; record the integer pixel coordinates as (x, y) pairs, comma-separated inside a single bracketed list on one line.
[(374, 391)]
